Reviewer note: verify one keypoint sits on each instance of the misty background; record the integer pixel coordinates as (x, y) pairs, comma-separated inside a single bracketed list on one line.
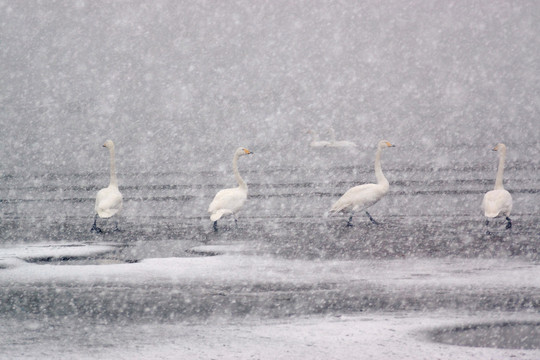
[(178, 85)]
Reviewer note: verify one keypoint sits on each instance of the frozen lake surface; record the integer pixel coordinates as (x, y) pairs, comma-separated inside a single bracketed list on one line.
[(286, 283), (178, 86)]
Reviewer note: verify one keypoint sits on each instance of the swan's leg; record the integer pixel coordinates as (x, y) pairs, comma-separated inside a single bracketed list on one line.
[(94, 227), (116, 228), (372, 219), (487, 227), (349, 221), (215, 225), (509, 223)]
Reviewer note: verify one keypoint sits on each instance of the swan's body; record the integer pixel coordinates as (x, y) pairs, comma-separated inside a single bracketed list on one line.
[(341, 143), (315, 142), (498, 202), (361, 197), (108, 200), (230, 201)]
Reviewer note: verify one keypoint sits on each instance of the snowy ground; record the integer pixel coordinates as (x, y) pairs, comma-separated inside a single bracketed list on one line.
[(401, 335), (241, 305)]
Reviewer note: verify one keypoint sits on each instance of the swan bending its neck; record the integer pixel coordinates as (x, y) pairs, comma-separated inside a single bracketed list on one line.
[(314, 135), (315, 142), (501, 148), (341, 143)]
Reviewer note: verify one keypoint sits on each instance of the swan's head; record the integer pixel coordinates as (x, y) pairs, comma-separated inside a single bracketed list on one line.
[(384, 144), (243, 151), (500, 147), (109, 144)]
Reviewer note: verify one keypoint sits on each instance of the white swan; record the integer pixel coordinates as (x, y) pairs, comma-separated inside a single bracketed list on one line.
[(315, 142), (361, 197), (108, 200), (229, 201), (341, 143), (498, 202)]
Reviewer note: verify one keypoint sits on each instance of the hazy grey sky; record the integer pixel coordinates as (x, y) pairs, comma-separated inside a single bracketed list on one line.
[(166, 79)]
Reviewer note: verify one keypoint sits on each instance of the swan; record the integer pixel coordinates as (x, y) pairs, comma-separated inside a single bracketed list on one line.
[(108, 200), (498, 202), (315, 142), (341, 143), (361, 197), (230, 201)]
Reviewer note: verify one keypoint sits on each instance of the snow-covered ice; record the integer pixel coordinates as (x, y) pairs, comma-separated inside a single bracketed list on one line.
[(450, 284), (178, 85)]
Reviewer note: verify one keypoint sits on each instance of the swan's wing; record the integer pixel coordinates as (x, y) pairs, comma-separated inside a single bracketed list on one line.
[(343, 143), (219, 213), (359, 197), (230, 199), (497, 203), (108, 202)]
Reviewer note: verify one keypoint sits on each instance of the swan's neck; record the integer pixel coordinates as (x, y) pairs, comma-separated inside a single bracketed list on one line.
[(332, 135), (500, 170), (381, 180), (241, 182), (114, 180)]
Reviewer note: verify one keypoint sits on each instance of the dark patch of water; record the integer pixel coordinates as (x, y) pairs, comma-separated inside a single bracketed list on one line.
[(505, 335)]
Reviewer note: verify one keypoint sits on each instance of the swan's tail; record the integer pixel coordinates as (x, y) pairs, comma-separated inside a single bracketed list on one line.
[(219, 214), (338, 207), (491, 214)]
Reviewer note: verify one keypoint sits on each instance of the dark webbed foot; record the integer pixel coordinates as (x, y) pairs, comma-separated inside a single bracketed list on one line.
[(215, 225), (94, 226), (349, 224), (509, 223)]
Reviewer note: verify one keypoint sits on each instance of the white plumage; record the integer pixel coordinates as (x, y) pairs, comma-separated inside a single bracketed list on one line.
[(361, 197), (108, 200), (315, 142), (498, 202), (340, 143), (230, 201)]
